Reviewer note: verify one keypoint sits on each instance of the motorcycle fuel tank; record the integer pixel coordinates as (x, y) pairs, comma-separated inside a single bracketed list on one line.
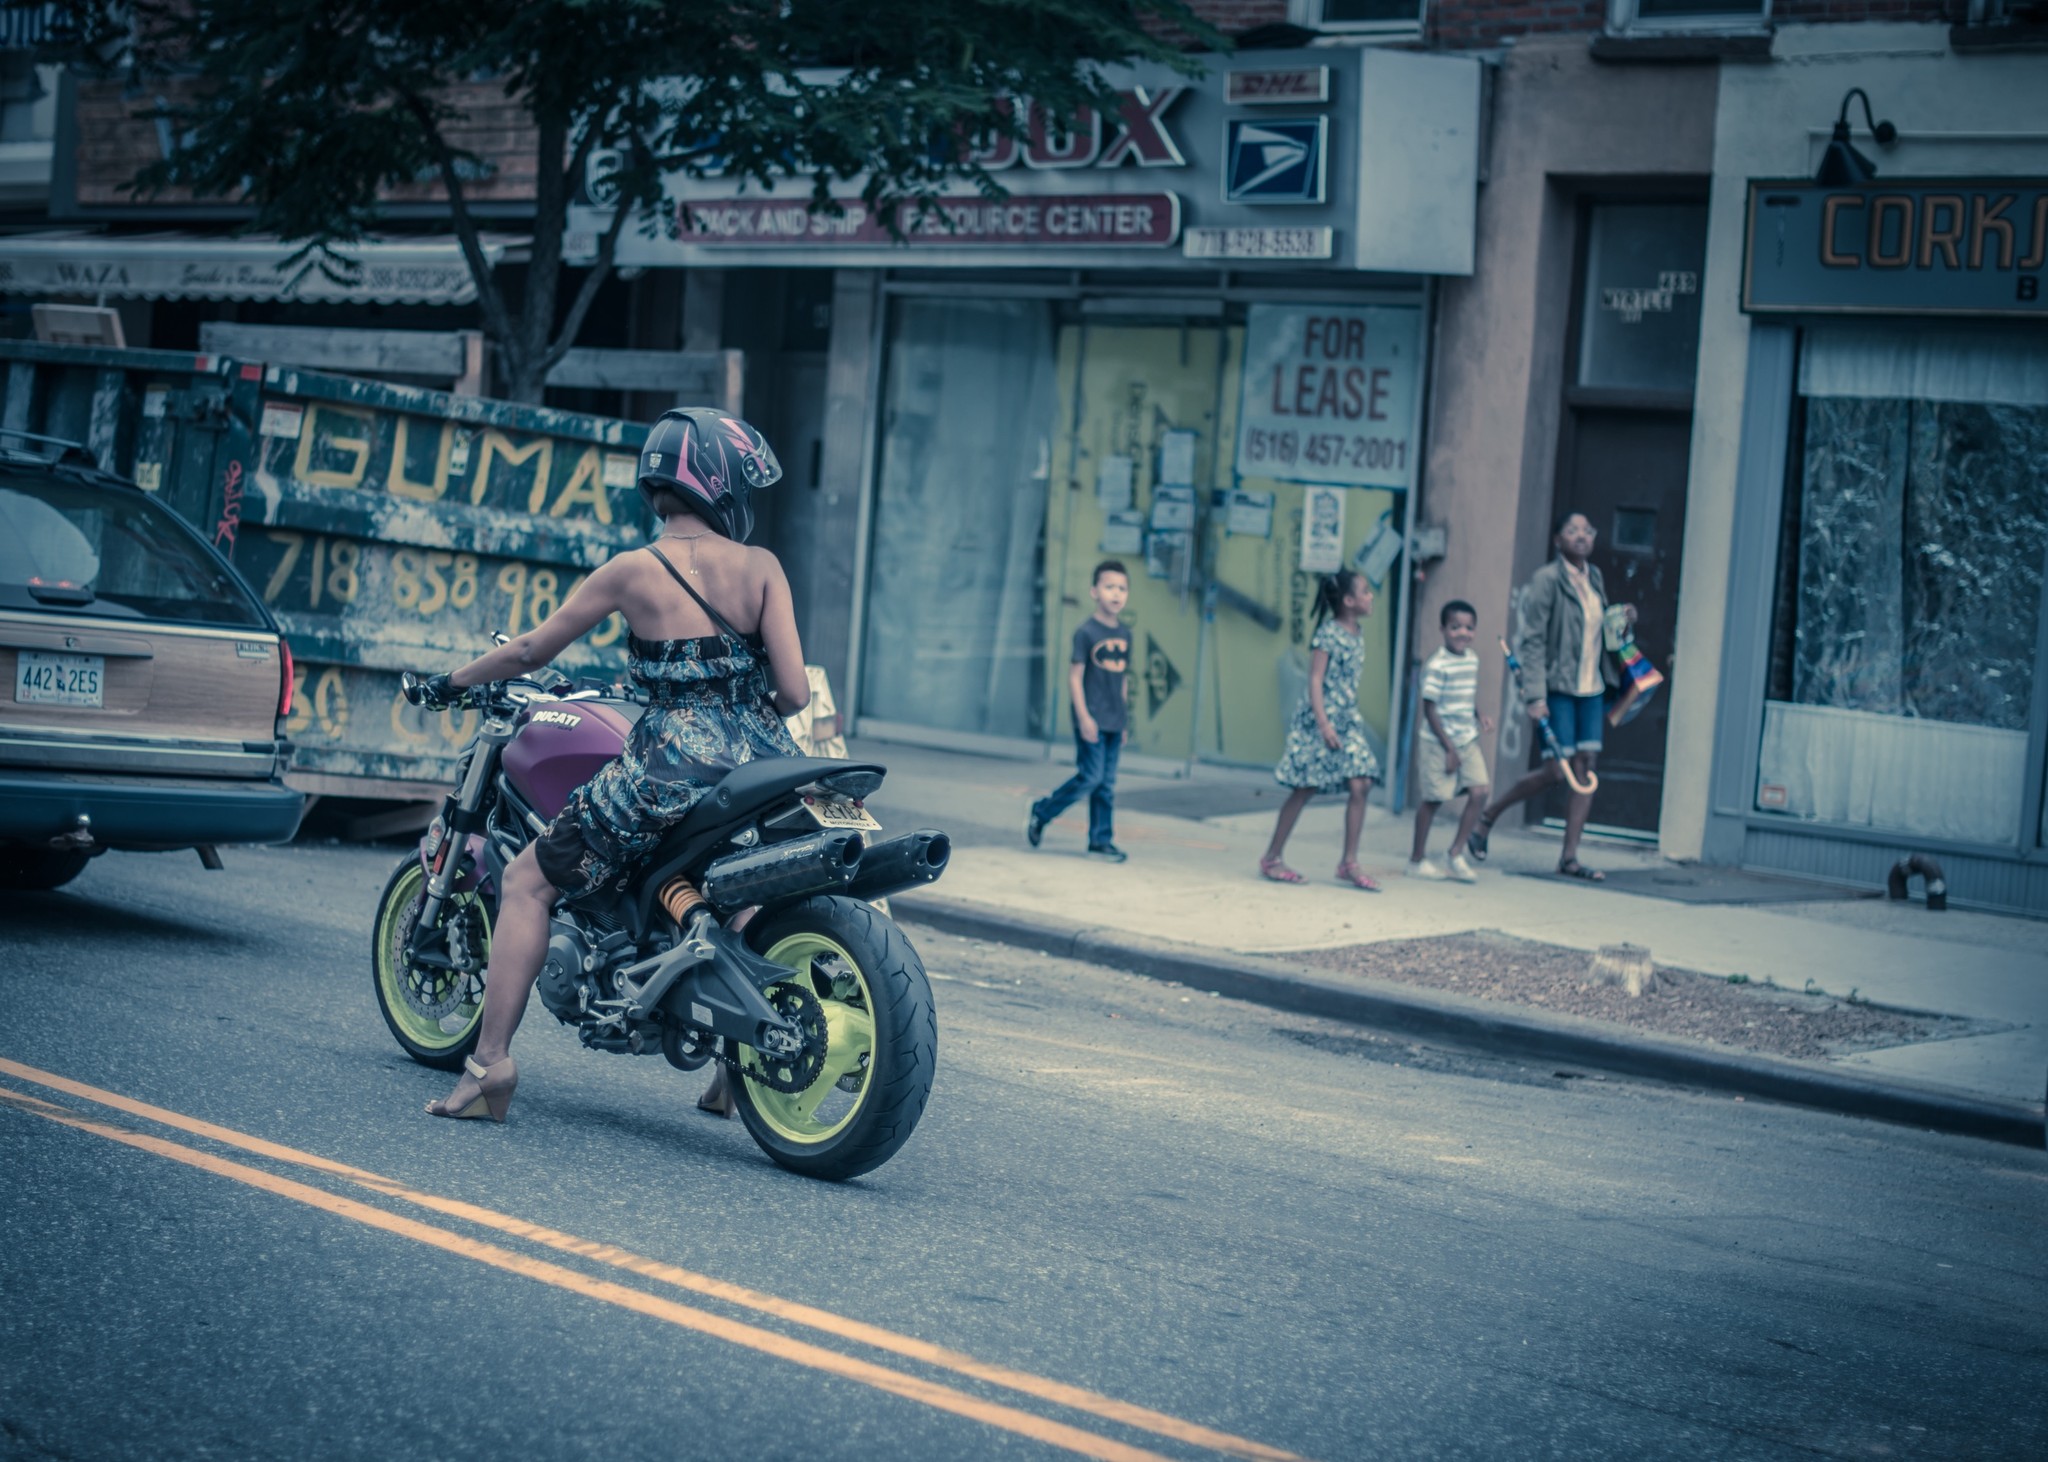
[(560, 746)]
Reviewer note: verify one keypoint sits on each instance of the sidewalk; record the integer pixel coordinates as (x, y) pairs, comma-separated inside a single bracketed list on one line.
[(1192, 880)]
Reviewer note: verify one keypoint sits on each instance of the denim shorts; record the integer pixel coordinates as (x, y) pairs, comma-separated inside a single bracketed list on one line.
[(1578, 720)]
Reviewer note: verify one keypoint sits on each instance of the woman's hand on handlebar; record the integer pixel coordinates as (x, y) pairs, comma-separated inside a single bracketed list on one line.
[(431, 692)]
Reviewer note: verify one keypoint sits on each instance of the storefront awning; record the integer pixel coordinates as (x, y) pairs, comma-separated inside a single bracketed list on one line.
[(428, 271)]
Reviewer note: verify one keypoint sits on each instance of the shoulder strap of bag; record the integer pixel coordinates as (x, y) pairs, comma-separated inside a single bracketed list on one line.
[(724, 626)]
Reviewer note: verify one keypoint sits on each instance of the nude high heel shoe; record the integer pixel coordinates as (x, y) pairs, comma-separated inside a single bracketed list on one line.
[(494, 1094)]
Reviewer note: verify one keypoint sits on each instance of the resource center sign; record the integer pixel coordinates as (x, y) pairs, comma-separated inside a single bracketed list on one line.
[(1359, 159), (1329, 395)]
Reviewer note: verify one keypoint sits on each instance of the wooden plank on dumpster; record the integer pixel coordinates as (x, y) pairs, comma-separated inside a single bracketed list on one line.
[(703, 374), (439, 354)]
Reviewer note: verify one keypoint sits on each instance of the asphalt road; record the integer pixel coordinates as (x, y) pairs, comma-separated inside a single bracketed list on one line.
[(1295, 1235)]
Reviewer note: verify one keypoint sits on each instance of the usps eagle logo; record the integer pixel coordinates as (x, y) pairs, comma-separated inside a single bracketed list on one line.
[(1275, 160)]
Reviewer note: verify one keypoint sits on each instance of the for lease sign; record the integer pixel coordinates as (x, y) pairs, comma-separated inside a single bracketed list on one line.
[(1329, 394)]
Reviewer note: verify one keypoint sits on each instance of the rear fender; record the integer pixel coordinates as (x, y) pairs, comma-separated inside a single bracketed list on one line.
[(471, 873)]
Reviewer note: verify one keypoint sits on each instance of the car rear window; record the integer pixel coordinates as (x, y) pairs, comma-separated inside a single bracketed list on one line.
[(84, 548)]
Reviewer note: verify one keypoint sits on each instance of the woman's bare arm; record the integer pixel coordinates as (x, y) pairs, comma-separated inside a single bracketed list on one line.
[(596, 597), (778, 634)]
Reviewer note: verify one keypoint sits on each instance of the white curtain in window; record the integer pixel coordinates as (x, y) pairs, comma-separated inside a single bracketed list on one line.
[(1931, 778), (1887, 363)]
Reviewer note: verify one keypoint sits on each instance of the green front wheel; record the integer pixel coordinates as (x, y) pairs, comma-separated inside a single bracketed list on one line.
[(433, 1013)]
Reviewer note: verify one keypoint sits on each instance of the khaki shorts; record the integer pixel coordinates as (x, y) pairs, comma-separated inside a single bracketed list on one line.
[(1439, 783)]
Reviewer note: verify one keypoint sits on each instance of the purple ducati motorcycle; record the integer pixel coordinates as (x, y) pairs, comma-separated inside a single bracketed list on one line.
[(820, 1009)]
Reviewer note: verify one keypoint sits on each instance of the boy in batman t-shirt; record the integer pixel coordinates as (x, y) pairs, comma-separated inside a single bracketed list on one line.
[(1095, 685)]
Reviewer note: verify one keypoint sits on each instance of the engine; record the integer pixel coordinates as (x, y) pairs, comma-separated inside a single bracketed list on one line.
[(581, 967)]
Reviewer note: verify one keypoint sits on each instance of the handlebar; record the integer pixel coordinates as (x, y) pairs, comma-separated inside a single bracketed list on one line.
[(496, 695)]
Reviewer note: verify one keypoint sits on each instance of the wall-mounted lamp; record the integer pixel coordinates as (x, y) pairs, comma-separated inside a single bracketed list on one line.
[(1842, 166)]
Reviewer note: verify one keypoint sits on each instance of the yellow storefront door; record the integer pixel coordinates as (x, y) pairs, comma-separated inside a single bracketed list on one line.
[(1124, 391), (1221, 690)]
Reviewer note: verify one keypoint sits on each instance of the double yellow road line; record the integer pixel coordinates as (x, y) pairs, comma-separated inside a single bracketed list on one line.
[(654, 1306)]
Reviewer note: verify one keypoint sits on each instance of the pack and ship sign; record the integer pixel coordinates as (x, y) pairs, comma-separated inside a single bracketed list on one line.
[(1275, 160)]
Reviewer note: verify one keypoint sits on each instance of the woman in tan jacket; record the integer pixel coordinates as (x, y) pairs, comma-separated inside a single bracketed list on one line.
[(1566, 675)]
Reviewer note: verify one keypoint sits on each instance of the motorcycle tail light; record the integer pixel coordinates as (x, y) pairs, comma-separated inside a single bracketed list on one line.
[(284, 689)]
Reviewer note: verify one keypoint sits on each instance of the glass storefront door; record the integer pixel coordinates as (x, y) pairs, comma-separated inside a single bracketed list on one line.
[(954, 639)]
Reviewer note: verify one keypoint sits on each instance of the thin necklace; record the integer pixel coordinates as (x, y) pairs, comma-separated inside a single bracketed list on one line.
[(691, 539)]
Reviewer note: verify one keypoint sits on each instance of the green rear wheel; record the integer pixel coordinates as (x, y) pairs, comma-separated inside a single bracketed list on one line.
[(433, 1013), (881, 1043)]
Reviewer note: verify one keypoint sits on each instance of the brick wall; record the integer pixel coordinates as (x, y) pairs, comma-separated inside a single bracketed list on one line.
[(1817, 12), (1462, 24), (1235, 17)]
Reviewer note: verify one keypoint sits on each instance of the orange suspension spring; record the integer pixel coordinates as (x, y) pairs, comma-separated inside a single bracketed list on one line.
[(679, 896)]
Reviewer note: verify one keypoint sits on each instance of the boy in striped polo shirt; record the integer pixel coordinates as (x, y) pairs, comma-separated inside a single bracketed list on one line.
[(1447, 754)]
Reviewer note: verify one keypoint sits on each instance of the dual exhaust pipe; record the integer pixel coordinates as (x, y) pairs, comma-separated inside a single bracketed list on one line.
[(827, 862)]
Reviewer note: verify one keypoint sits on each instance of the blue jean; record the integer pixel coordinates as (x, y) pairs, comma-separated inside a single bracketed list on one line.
[(1094, 778), (1578, 720)]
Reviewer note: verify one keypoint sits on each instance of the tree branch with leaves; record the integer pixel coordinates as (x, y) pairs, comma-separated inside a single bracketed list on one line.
[(313, 114)]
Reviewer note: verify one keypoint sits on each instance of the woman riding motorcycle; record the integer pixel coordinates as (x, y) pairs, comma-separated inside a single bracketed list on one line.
[(699, 631)]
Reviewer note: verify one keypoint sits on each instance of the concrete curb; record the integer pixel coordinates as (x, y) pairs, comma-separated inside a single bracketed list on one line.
[(1508, 1030)]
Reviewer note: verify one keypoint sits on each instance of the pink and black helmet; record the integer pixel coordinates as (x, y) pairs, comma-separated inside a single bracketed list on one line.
[(713, 462)]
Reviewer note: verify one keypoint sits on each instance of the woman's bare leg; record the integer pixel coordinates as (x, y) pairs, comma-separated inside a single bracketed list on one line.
[(1290, 813), (1528, 787), (519, 942)]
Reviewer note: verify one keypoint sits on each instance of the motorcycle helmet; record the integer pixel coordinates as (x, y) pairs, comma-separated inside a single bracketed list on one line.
[(713, 462)]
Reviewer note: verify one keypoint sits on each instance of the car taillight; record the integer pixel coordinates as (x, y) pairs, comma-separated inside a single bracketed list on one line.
[(284, 690)]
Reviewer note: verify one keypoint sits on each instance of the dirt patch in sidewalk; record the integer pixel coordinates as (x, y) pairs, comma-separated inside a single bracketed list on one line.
[(1729, 1012)]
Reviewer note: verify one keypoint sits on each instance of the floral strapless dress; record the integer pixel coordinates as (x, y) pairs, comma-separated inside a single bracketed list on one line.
[(709, 710)]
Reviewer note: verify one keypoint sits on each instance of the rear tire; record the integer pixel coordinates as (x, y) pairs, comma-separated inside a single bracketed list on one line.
[(37, 869), (903, 1051), (420, 1005)]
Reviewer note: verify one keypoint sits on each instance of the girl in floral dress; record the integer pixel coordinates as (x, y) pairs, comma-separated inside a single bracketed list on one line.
[(1326, 745)]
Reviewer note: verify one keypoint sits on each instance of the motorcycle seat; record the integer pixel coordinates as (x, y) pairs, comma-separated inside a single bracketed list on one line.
[(756, 785)]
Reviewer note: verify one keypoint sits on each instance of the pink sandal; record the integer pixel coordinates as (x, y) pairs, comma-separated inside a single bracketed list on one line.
[(1357, 877), (1279, 872)]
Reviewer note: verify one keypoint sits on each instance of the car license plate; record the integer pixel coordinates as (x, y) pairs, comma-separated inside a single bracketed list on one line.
[(59, 680), (841, 812)]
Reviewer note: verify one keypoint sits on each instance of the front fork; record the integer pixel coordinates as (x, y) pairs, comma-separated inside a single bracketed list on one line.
[(462, 815)]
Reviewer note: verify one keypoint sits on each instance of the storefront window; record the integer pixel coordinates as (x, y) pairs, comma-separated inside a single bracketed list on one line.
[(953, 637), (1639, 328), (1905, 648)]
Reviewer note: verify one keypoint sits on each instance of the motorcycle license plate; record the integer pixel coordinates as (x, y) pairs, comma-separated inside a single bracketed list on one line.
[(59, 680), (840, 812)]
